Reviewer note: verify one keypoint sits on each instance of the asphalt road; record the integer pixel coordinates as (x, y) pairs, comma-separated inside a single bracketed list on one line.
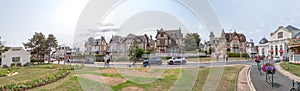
[(280, 82), (188, 65)]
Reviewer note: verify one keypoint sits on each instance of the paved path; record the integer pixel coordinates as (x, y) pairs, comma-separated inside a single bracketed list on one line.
[(281, 82), (243, 83)]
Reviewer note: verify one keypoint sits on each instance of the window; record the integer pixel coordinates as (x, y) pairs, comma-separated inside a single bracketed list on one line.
[(162, 42), (263, 51), (276, 50), (280, 35), (235, 44), (161, 35), (16, 59)]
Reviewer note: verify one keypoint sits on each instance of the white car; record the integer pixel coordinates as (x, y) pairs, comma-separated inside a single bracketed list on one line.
[(276, 59), (177, 60)]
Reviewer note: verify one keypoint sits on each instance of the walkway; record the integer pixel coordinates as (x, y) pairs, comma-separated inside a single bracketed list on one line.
[(281, 82)]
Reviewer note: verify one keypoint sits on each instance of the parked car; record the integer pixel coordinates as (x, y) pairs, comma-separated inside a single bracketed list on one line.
[(177, 60), (276, 59), (286, 58), (154, 60), (89, 61)]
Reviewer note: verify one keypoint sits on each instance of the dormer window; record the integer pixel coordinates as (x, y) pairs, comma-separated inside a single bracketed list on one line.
[(280, 35), (161, 35)]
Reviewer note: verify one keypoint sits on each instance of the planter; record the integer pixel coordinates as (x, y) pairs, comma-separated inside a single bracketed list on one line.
[(270, 72)]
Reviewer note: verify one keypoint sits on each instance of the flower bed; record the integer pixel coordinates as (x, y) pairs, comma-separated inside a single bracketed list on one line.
[(4, 72), (34, 83), (269, 68)]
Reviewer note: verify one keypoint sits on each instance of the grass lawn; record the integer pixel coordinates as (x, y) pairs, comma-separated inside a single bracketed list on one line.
[(73, 82), (30, 73), (292, 68)]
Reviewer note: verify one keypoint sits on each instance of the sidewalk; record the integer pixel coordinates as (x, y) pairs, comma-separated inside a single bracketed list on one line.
[(244, 81), (286, 73)]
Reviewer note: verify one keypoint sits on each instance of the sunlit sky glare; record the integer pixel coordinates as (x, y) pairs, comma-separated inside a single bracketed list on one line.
[(19, 19)]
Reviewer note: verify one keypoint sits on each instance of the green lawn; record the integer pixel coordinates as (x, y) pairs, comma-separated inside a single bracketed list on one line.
[(30, 73), (292, 68), (75, 83)]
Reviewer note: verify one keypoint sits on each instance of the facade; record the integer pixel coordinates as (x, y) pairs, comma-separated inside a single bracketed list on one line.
[(280, 43), (63, 52), (100, 46), (143, 41), (169, 41), (263, 47), (15, 55), (235, 42), (121, 45), (226, 43), (96, 46), (251, 49)]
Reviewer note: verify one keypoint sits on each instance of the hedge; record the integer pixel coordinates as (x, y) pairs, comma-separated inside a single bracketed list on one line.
[(236, 54)]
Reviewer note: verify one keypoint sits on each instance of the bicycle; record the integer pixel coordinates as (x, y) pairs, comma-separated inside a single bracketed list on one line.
[(295, 89)]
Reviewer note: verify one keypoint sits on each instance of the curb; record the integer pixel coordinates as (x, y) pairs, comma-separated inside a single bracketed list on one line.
[(286, 73), (244, 82), (249, 81)]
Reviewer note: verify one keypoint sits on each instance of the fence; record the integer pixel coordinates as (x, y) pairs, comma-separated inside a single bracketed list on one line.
[(295, 58), (174, 54)]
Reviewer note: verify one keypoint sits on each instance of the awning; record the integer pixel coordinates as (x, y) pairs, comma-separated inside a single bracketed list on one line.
[(280, 51), (271, 50)]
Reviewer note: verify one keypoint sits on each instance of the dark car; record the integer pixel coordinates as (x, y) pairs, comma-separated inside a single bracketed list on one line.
[(154, 60), (177, 60)]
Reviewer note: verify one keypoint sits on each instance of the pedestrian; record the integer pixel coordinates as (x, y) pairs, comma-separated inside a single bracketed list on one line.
[(108, 60), (105, 61), (226, 57)]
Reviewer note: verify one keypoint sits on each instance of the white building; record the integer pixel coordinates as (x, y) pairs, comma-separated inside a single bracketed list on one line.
[(15, 55), (263, 47), (278, 44)]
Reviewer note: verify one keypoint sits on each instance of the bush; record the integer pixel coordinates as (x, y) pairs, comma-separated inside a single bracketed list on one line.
[(99, 58), (166, 58), (236, 54), (5, 66), (27, 64)]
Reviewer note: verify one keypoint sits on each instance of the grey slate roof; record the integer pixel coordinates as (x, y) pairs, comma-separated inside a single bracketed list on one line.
[(263, 41)]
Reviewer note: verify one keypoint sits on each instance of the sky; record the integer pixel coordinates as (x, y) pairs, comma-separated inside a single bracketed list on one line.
[(19, 19)]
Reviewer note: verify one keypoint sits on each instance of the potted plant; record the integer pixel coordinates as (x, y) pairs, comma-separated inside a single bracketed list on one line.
[(1, 88), (257, 60), (269, 68)]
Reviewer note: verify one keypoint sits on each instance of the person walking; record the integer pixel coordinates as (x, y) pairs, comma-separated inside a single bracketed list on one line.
[(108, 60), (105, 61)]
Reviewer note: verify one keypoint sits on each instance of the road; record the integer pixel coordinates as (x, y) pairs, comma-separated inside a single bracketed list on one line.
[(281, 82), (188, 65)]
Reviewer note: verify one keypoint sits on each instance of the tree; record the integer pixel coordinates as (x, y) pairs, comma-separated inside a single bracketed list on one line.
[(136, 53), (51, 44), (40, 46), (191, 41), (1, 47)]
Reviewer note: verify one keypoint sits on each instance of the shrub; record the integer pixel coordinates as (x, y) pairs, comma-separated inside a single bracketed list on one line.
[(27, 64), (236, 54), (5, 66)]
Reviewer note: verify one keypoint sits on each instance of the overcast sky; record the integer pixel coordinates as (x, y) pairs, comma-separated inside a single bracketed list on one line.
[(19, 19)]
